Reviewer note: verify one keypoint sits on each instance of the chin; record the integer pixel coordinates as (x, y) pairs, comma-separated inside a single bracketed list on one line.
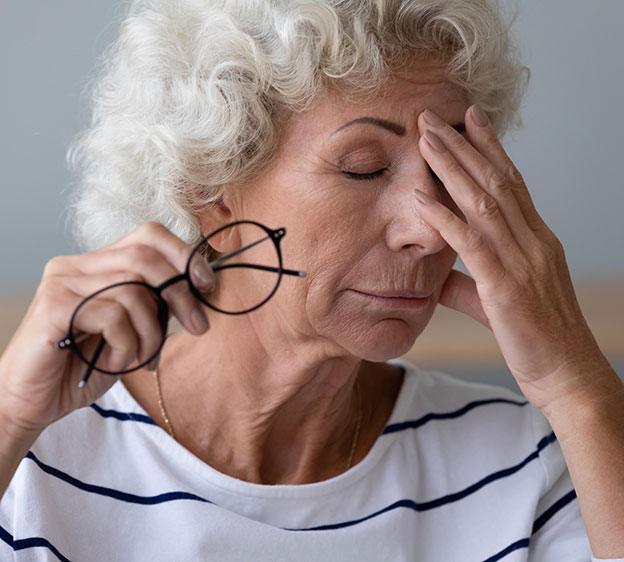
[(385, 340)]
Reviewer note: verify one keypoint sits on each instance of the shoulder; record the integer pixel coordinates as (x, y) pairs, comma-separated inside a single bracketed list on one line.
[(479, 425), (87, 443)]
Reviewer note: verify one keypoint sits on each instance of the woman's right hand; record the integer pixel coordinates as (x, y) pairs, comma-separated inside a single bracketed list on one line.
[(39, 382)]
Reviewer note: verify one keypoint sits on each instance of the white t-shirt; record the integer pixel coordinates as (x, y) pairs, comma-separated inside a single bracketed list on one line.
[(462, 472)]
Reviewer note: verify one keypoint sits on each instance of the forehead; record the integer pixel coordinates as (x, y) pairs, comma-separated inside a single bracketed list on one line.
[(416, 86)]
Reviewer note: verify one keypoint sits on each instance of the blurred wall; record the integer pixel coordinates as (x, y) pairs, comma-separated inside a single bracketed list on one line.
[(570, 149), (48, 54)]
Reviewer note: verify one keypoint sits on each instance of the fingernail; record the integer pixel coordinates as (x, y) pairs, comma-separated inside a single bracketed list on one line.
[(423, 197), (433, 119), (199, 320), (479, 116), (435, 142), (204, 275)]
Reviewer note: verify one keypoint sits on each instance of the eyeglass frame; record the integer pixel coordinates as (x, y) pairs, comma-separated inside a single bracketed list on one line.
[(69, 343)]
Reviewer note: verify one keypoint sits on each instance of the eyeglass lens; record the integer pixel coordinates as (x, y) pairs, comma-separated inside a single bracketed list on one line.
[(146, 326), (249, 273)]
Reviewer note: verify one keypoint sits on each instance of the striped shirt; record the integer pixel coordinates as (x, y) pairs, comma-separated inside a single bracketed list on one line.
[(462, 472)]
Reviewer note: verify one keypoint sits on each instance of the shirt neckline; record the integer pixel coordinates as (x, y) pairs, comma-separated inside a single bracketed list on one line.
[(202, 474)]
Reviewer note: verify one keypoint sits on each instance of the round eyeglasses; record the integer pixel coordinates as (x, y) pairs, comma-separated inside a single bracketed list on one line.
[(247, 261)]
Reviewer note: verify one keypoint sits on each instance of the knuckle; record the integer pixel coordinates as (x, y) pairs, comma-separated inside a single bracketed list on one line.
[(552, 240), (132, 277), (56, 266), (152, 228), (513, 173), (142, 254), (487, 207), (558, 248), (457, 141), (50, 286), (492, 142), (552, 250), (453, 168), (51, 293), (496, 182), (448, 218), (474, 241), (547, 249), (116, 315)]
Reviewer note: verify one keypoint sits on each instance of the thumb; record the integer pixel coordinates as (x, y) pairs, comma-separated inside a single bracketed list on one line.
[(460, 293)]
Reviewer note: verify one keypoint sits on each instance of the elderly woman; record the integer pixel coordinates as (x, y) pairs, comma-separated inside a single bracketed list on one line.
[(360, 137)]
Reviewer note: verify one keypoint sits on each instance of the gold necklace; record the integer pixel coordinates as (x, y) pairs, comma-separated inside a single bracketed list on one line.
[(355, 436), (162, 405), (357, 424)]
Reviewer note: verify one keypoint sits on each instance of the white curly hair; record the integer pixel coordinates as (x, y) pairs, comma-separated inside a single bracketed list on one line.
[(193, 94)]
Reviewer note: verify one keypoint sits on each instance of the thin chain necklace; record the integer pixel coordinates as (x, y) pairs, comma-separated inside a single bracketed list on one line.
[(355, 436)]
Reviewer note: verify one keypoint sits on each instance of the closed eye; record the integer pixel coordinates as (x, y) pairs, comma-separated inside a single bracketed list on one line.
[(369, 176)]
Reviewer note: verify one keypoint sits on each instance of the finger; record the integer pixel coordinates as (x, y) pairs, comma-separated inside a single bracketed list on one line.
[(154, 234), (142, 262), (460, 293), (85, 285), (480, 209), (65, 294), (59, 304), (484, 138), (175, 250), (110, 320), (142, 308), (468, 242), (484, 174)]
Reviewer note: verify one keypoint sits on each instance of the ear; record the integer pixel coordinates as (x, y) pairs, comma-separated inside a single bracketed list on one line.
[(214, 216)]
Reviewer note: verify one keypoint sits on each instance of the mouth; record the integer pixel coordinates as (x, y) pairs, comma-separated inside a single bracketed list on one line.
[(396, 299)]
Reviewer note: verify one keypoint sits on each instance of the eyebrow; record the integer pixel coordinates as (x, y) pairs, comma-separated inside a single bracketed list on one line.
[(389, 125)]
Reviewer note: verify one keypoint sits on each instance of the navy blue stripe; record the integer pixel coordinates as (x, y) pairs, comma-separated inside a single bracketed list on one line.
[(554, 508), (110, 492), (413, 424), (123, 416), (537, 525), (522, 543), (444, 500), (32, 542), (6, 536)]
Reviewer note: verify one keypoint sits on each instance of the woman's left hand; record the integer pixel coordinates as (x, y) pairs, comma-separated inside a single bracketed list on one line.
[(521, 286)]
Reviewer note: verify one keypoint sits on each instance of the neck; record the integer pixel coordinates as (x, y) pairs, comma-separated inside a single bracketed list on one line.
[(284, 415)]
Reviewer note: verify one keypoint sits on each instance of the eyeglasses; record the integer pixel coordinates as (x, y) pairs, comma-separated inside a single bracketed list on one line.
[(247, 261)]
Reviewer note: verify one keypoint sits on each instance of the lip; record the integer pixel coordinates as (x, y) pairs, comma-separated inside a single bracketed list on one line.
[(396, 299)]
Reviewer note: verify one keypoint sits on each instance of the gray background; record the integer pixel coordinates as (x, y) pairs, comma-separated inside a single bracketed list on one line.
[(570, 149)]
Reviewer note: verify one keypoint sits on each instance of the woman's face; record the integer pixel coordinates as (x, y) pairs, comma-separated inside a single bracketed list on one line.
[(342, 184)]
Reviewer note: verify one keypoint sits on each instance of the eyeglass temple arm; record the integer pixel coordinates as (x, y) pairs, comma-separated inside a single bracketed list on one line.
[(236, 252), (92, 363), (260, 267), (216, 264)]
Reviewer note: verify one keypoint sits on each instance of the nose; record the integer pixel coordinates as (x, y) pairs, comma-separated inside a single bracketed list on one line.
[(405, 228)]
